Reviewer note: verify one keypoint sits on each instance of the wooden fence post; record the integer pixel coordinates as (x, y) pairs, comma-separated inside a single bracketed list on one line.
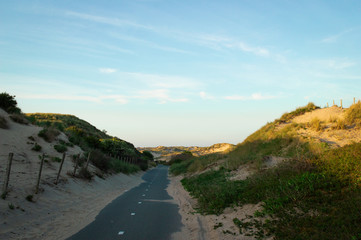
[(327, 104), (341, 104), (61, 166), (354, 100), (76, 164), (39, 175), (7, 176), (87, 161), (333, 103)]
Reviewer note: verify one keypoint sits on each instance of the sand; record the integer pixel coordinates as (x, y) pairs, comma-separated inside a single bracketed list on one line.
[(328, 117), (57, 211)]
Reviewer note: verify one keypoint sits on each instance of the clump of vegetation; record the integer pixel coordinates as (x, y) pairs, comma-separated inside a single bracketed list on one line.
[(60, 148), (100, 160), (340, 125), (185, 155), (8, 103), (19, 118), (31, 138), (85, 174), (29, 198), (316, 124), (120, 166), (353, 114), (299, 111), (49, 134), (55, 159), (181, 167), (36, 147), (3, 123), (11, 206)]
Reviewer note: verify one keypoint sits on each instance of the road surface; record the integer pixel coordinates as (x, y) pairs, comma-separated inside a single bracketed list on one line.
[(145, 212)]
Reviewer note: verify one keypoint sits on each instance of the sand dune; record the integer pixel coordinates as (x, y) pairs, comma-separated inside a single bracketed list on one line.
[(58, 211)]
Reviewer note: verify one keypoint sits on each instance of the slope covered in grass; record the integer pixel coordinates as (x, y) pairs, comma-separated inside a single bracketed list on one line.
[(314, 194)]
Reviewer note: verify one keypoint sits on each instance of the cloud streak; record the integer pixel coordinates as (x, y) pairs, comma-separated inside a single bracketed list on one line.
[(105, 20), (107, 70), (254, 96)]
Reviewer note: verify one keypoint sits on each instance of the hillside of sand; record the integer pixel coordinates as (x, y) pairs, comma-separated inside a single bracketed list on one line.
[(57, 211)]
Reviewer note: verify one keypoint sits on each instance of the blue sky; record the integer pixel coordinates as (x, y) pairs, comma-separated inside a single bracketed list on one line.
[(179, 72)]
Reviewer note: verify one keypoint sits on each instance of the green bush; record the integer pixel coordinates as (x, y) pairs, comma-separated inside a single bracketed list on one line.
[(181, 167), (8, 103), (36, 147), (123, 167), (60, 148)]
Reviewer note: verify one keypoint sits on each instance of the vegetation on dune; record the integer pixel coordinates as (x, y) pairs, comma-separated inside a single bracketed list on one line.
[(8, 103), (353, 114), (299, 111), (314, 195), (106, 149), (3, 123)]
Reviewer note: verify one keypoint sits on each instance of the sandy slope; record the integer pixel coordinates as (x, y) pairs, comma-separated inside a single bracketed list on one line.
[(328, 117), (60, 210)]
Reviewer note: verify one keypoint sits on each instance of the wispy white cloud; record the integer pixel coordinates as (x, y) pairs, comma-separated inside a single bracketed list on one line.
[(162, 95), (149, 43), (255, 96), (106, 20), (94, 99), (335, 37), (107, 70), (205, 96), (333, 63), (162, 81)]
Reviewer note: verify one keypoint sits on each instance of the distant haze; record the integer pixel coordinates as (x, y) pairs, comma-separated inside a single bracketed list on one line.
[(171, 73)]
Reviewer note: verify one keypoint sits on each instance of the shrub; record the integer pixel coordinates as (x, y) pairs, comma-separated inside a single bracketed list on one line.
[(36, 147), (49, 134), (85, 174), (11, 206), (3, 123), (100, 160), (353, 114), (316, 125), (340, 124), (29, 198), (8, 103), (60, 148), (55, 159), (180, 157), (120, 166), (19, 118)]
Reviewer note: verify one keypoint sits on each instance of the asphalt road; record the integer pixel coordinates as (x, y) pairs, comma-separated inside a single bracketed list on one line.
[(145, 212)]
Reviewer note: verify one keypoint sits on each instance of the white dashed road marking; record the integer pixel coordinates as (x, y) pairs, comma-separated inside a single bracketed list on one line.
[(121, 233), (132, 214)]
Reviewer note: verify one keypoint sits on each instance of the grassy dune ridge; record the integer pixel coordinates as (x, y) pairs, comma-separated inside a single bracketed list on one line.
[(315, 194)]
